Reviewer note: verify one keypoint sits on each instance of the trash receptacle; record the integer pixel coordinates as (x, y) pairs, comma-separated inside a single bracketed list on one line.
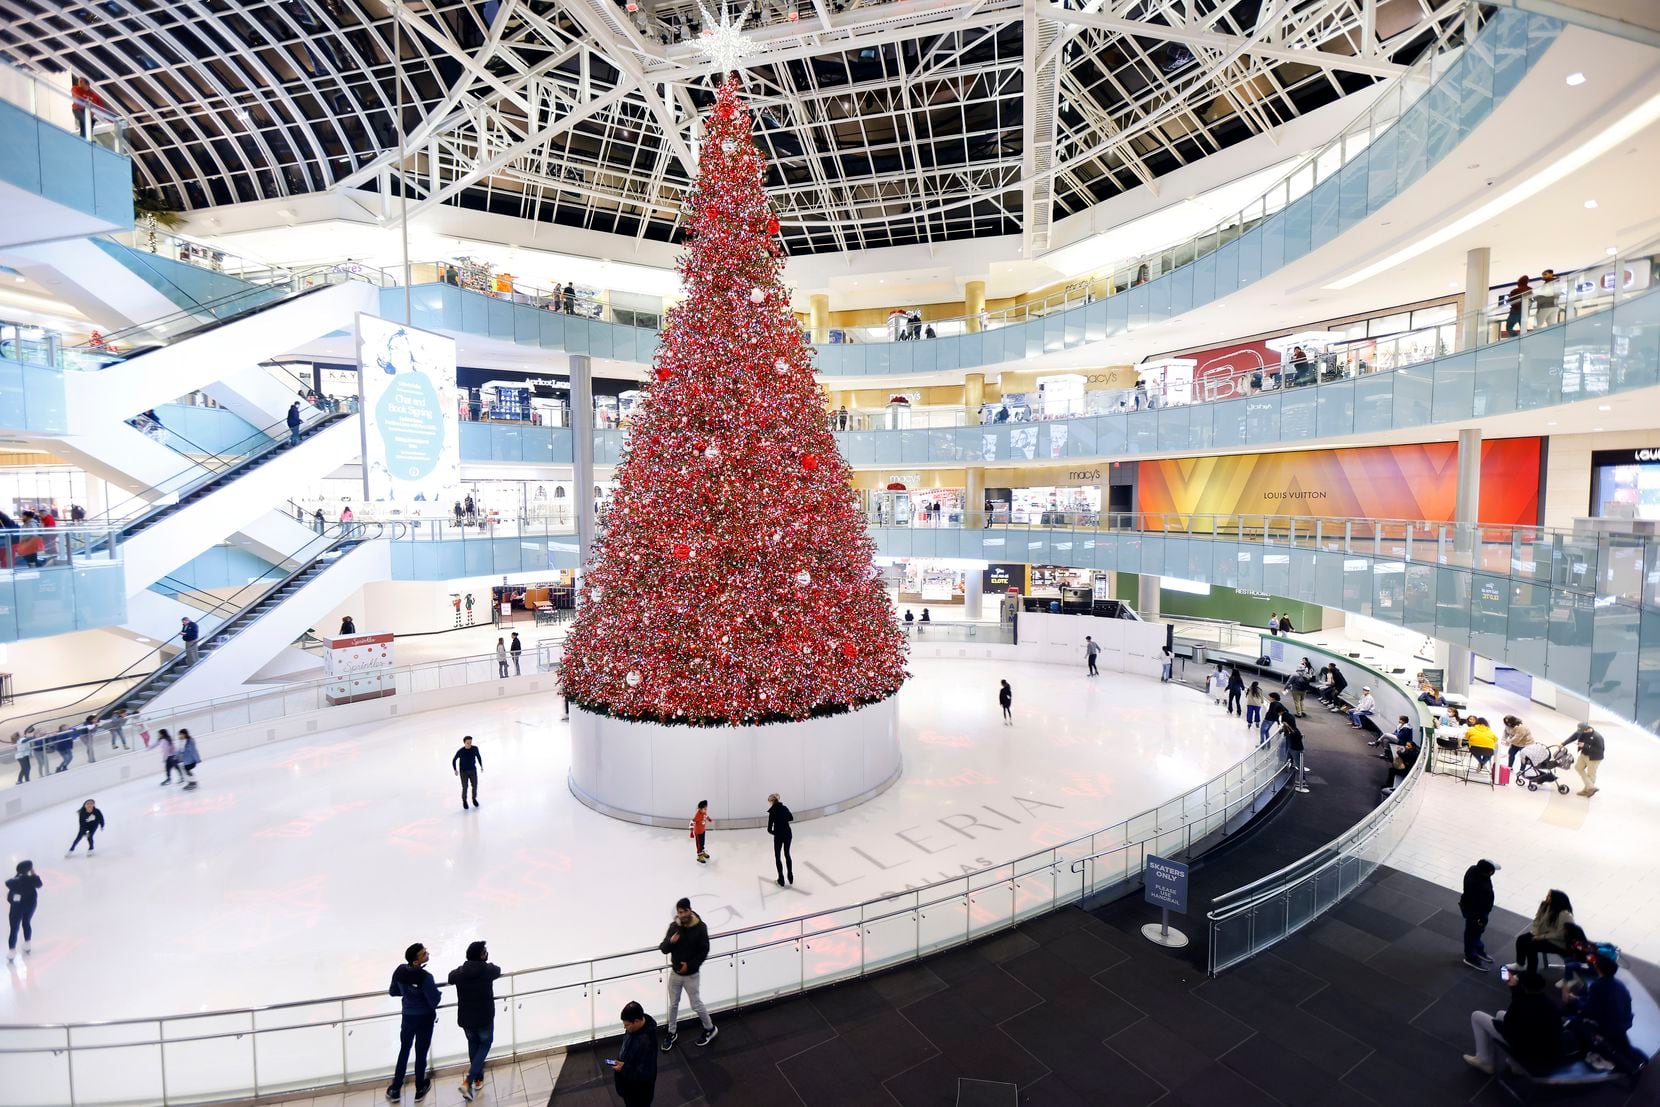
[(1054, 607)]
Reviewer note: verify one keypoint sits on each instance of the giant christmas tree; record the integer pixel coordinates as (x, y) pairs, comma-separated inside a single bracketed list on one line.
[(734, 581)]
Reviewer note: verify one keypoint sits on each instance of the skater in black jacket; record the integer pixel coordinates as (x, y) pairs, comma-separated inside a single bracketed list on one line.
[(778, 825), (91, 822)]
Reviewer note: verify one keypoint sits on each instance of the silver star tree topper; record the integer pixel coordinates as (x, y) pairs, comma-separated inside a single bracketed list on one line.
[(723, 41)]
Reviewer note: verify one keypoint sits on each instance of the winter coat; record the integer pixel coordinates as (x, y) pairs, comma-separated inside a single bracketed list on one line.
[(22, 892), (91, 821), (418, 989), (475, 998), (1477, 900), (638, 1055), (779, 819), (692, 948), (188, 754)]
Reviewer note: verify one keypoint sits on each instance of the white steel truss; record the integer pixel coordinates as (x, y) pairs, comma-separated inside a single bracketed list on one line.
[(883, 123)]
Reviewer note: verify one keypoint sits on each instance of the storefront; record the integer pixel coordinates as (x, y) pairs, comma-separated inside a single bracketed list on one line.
[(928, 581), (1625, 484)]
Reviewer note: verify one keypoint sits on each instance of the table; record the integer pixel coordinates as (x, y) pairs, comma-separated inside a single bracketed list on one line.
[(1454, 699)]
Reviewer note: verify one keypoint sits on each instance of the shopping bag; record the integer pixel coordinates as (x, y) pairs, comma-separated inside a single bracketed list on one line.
[(1504, 775)]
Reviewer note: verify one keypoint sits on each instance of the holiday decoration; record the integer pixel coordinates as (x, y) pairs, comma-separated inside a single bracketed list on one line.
[(734, 576), (723, 43)]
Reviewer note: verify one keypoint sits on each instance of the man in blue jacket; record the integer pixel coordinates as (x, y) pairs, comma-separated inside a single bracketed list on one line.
[(634, 1070), (420, 997)]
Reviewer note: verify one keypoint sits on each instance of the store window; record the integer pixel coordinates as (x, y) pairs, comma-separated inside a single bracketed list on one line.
[(1625, 484)]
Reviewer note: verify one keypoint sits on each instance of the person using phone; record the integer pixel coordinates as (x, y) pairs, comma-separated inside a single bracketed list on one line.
[(634, 1069), (1530, 1029)]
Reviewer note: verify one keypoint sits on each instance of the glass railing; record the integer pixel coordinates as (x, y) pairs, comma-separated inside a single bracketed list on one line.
[(1577, 609), (940, 632), (344, 1039), (81, 113), (54, 580), (1265, 913), (203, 255)]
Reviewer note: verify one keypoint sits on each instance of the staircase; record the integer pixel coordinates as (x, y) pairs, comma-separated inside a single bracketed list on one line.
[(231, 472)]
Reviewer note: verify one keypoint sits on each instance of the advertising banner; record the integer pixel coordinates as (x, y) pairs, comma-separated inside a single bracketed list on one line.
[(1375, 482), (412, 447)]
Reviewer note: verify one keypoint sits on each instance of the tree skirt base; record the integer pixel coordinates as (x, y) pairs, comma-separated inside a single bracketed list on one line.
[(654, 774)]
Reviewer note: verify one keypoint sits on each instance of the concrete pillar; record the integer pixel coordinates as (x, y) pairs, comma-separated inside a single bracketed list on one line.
[(974, 497), (974, 302), (582, 456), (1466, 512), (818, 317), (1478, 266), (974, 579), (1147, 595), (974, 394)]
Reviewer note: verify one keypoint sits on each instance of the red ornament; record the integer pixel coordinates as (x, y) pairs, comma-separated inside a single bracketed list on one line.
[(663, 372), (809, 462), (772, 225), (682, 551), (849, 650)]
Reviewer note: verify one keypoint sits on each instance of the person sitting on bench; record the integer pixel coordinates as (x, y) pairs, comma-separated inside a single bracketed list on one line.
[(1332, 694), (1599, 1013), (1548, 933), (1530, 1029), (1363, 710)]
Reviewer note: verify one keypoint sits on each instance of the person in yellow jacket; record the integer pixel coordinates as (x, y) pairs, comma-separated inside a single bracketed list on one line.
[(1482, 741)]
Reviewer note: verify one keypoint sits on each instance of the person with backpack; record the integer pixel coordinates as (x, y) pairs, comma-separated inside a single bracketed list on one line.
[(413, 984), (1298, 686), (294, 424), (22, 896), (475, 1012)]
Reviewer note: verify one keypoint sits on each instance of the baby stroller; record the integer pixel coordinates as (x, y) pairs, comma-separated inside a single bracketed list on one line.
[(1539, 765)]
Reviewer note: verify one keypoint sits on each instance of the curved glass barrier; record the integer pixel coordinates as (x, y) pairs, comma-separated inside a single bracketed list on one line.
[(55, 580), (1579, 610), (1595, 354)]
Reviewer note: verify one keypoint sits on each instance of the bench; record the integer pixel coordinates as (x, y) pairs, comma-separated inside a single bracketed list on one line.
[(1644, 1036)]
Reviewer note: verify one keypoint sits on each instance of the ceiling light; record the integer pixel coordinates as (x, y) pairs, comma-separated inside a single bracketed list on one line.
[(1604, 407), (1596, 430), (19, 280), (1452, 284), (1552, 423), (1612, 250), (1576, 78), (1589, 204), (1607, 139)]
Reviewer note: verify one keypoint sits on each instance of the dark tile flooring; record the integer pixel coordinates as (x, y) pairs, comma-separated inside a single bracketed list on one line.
[(1370, 1005)]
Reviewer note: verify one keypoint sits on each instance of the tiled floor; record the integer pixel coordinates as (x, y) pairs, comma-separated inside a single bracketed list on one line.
[(1368, 1006), (1545, 840), (506, 1084)]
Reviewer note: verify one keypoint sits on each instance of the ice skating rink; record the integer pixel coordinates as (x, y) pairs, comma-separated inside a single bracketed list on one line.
[(303, 869)]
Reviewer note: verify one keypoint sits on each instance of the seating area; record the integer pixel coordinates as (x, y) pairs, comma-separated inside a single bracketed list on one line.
[(1644, 1036)]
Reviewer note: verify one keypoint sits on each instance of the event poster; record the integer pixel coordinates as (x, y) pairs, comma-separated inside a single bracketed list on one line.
[(412, 448), (1417, 481)]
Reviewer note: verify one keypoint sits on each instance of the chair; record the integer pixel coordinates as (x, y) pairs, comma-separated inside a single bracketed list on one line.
[(1473, 764)]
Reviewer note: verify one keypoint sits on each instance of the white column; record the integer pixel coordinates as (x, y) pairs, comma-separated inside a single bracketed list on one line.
[(1147, 595), (974, 579), (1477, 276), (582, 455), (1466, 512)]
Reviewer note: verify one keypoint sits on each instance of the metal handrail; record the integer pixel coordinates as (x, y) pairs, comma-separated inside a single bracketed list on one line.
[(962, 882)]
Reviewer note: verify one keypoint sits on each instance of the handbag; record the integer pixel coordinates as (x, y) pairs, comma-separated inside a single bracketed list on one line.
[(1399, 764)]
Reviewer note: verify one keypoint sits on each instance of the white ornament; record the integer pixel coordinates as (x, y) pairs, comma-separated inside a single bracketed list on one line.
[(804, 577), (723, 42), (632, 679), (712, 451), (781, 366), (727, 145), (757, 295), (596, 594)]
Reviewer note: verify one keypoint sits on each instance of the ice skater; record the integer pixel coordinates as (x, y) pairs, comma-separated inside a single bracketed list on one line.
[(1005, 700), (1092, 650), (22, 894), (778, 825), (189, 758), (169, 756), (699, 827), (91, 822), (466, 764)]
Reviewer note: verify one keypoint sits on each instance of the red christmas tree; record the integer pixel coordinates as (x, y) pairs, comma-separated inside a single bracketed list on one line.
[(734, 581)]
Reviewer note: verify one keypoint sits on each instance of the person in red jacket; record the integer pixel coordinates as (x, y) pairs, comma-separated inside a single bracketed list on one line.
[(701, 822)]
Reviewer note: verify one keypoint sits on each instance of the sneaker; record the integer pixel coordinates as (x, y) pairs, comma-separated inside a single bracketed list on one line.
[(669, 1040), (394, 1094), (467, 1090), (710, 1034), (780, 882), (421, 1090), (1299, 787), (1599, 1062), (1477, 1063), (1473, 963), (1589, 792)]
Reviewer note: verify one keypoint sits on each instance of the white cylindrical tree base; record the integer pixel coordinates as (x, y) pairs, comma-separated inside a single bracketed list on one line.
[(654, 774)]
